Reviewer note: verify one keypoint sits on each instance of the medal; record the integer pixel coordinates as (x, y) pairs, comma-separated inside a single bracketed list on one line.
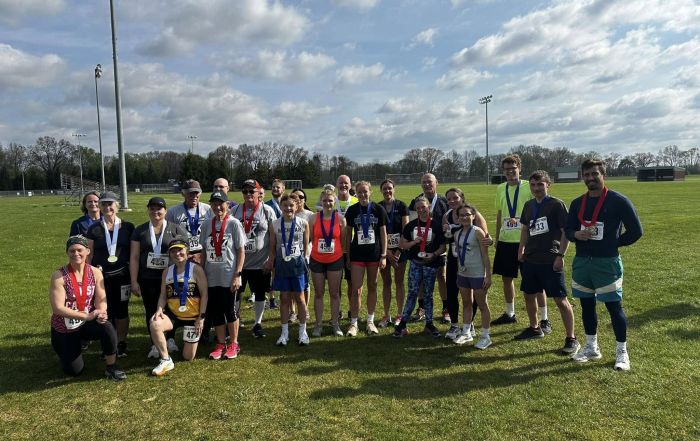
[(185, 285), (111, 240), (328, 238), (422, 254), (112, 259), (287, 258), (590, 226), (513, 208), (219, 240), (448, 233), (192, 223), (365, 219), (287, 242), (248, 222), (465, 245), (423, 236), (156, 243), (182, 308)]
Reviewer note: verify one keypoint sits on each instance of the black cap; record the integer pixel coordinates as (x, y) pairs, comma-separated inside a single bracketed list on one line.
[(252, 183), (219, 196), (77, 239), (159, 201)]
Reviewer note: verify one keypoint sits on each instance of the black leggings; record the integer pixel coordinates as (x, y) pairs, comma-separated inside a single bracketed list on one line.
[(259, 282), (453, 290), (116, 307), (67, 344), (617, 317), (221, 305)]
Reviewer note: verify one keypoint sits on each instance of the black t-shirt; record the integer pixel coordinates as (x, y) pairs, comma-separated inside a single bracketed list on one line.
[(438, 211), (545, 231), (394, 213), (143, 237), (96, 233), (371, 249), (435, 238)]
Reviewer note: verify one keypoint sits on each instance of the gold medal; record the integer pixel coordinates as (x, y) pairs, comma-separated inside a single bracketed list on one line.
[(112, 259)]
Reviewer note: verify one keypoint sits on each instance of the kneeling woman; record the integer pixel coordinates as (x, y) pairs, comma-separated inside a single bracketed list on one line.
[(183, 299), (79, 305), (288, 250)]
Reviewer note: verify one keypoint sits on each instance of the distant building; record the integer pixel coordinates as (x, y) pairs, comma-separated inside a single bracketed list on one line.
[(570, 173), (663, 173)]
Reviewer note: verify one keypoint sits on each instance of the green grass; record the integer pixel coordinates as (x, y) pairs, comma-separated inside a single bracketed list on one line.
[(368, 388)]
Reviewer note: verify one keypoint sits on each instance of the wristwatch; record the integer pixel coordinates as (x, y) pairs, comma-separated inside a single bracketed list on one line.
[(203, 315)]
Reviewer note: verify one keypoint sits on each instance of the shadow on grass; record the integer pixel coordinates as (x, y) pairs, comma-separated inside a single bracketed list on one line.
[(675, 311)]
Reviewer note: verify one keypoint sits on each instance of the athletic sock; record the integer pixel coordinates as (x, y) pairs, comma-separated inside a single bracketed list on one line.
[(466, 327), (510, 309), (370, 318), (259, 310), (302, 328), (484, 331), (285, 329), (353, 321), (543, 312), (621, 346), (592, 340)]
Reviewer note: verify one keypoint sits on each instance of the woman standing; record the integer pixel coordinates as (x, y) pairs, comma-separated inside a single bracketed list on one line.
[(79, 307), (327, 261), (149, 257), (110, 243), (366, 241), (90, 205), (306, 214), (397, 213)]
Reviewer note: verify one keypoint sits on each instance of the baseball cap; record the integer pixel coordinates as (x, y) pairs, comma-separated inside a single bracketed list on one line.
[(108, 196), (178, 242), (219, 196), (191, 186), (252, 183), (157, 200)]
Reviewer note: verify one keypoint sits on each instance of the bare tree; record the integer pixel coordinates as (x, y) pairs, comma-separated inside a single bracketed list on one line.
[(51, 157), (431, 156)]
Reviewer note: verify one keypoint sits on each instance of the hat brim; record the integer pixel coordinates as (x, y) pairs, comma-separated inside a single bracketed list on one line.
[(176, 246)]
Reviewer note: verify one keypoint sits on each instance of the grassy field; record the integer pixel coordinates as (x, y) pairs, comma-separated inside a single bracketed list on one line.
[(369, 387)]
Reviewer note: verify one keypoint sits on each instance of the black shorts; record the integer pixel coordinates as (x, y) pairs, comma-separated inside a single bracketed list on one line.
[(537, 277), (318, 267), (177, 322), (505, 263), (117, 308), (221, 305), (259, 282)]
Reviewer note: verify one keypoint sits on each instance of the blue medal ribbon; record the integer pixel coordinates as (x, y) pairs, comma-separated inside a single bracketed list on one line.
[(183, 292), (464, 246), (513, 208), (328, 237), (365, 219), (192, 224), (390, 227), (536, 210), (288, 242)]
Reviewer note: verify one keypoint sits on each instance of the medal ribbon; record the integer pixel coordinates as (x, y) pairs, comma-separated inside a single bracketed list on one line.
[(219, 240), (157, 243), (463, 247), (390, 227), (80, 292), (424, 234), (327, 237), (536, 210), (365, 219), (192, 224), (596, 210), (512, 209), (248, 222), (111, 241), (288, 242), (185, 285)]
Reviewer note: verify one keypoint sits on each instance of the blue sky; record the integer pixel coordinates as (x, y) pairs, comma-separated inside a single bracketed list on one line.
[(369, 79)]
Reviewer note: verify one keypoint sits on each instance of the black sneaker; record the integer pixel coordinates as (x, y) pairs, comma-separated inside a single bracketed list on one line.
[(530, 333), (446, 320), (258, 331), (432, 330), (571, 346), (115, 373), (84, 344), (273, 304), (418, 316), (121, 349), (504, 319), (400, 330), (546, 326)]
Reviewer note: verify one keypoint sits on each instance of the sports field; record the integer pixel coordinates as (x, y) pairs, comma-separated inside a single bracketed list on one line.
[(369, 387)]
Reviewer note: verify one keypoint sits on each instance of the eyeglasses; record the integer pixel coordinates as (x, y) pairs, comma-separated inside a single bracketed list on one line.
[(248, 191), (301, 196), (509, 168), (219, 187)]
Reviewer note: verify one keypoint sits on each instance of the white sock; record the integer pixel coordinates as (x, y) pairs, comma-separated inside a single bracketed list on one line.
[(484, 332), (259, 310), (466, 327), (543, 312), (302, 328), (592, 340), (370, 318), (353, 321), (510, 309), (285, 329), (621, 346)]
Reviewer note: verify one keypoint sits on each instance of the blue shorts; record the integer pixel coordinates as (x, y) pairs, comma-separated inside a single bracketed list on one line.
[(597, 277), (470, 282), (537, 277), (291, 284)]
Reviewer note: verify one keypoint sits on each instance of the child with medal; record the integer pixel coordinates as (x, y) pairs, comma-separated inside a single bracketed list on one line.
[(289, 241), (473, 275), (425, 243), (182, 302)]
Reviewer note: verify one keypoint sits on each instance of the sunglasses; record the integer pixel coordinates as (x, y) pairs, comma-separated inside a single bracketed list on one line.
[(248, 191)]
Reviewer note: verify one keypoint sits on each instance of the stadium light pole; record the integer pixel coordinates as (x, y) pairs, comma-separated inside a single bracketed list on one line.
[(98, 74), (118, 106), (485, 101), (192, 138), (80, 160)]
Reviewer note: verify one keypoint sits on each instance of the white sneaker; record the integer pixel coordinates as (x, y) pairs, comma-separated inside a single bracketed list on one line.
[(371, 329), (282, 341), (352, 330), (172, 346), (484, 342), (251, 299), (472, 330), (337, 331), (588, 353), (464, 338), (622, 362), (163, 367), (153, 353), (303, 338), (318, 330), (452, 333)]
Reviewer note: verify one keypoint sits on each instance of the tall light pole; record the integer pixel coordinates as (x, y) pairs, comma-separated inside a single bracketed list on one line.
[(118, 105), (485, 101), (80, 160), (192, 138), (98, 74)]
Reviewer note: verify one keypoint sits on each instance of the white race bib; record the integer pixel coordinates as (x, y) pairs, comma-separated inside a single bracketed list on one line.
[(249, 246), (511, 224), (540, 226), (194, 243), (125, 292), (296, 251), (72, 323), (393, 240), (326, 249), (596, 230), (189, 335), (157, 262), (365, 240), (422, 230), (212, 258)]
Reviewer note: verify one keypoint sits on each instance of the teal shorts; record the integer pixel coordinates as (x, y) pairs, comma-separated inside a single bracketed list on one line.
[(597, 277)]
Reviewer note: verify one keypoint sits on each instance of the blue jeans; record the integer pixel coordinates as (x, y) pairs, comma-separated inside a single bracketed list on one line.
[(418, 274)]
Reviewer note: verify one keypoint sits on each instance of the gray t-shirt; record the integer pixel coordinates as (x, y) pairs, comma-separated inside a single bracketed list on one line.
[(473, 263), (258, 237), (177, 214), (221, 269)]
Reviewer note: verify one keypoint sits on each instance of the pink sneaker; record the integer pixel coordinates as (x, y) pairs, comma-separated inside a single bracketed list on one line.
[(232, 351), (218, 352)]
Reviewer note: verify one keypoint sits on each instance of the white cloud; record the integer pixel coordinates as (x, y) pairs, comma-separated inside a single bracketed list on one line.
[(302, 111), (461, 78), (281, 65), (357, 74), (424, 38), (360, 5), (14, 11), (396, 105), (19, 69), (428, 62), (350, 46)]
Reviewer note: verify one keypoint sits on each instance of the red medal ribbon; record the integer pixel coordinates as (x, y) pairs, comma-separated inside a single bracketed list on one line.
[(424, 234), (218, 240), (596, 210), (248, 223), (80, 292)]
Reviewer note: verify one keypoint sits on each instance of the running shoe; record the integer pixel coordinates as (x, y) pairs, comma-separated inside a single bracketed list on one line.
[(484, 342), (529, 333), (337, 331), (218, 351), (504, 319), (303, 338), (163, 367), (283, 340), (397, 320), (400, 332), (588, 353), (452, 333), (232, 351), (258, 331), (371, 329), (622, 361), (546, 326), (419, 315), (273, 303), (318, 330), (446, 317), (121, 349), (571, 346), (464, 338), (384, 322), (115, 373), (352, 330), (251, 299), (432, 330), (472, 330), (153, 353), (172, 346)]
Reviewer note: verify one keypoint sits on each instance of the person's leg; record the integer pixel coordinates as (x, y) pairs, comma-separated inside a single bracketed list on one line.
[(481, 298), (335, 278), (442, 288), (542, 305), (429, 277), (414, 278), (467, 311), (159, 327), (149, 295), (452, 290), (284, 307), (319, 281), (189, 351), (531, 302), (399, 276), (567, 315), (357, 274), (67, 347), (618, 319), (589, 316), (372, 273), (386, 289)]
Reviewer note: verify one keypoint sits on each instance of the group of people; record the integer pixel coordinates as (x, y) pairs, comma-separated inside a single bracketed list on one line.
[(191, 263)]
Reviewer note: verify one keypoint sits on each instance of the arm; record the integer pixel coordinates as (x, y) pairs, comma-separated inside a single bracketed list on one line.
[(57, 298), (498, 223), (134, 267), (485, 259), (633, 227), (91, 245), (240, 259), (480, 222), (161, 298), (563, 246), (307, 248), (272, 250), (100, 298), (382, 237), (524, 234), (201, 279)]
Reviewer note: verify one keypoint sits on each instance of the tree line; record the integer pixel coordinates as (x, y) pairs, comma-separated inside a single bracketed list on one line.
[(41, 164)]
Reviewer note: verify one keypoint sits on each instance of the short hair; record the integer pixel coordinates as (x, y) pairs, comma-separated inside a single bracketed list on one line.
[(278, 181), (590, 163), (511, 159), (82, 204), (369, 186), (466, 206), (540, 175), (422, 199), (386, 181), (459, 192), (290, 197)]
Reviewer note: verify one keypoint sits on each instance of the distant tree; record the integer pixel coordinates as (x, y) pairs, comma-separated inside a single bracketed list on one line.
[(469, 156), (52, 157), (451, 166), (193, 167), (431, 157), (626, 167), (643, 159)]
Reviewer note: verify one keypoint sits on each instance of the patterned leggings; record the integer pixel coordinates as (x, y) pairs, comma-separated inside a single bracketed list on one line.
[(418, 274)]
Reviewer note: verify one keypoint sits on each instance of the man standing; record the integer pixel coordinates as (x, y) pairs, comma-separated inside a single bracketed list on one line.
[(190, 215), (595, 224), (221, 184), (278, 188), (542, 249)]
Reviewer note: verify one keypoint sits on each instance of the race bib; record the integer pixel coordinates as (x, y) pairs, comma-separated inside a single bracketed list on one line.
[(157, 262), (189, 335), (510, 224), (596, 230), (296, 251), (249, 246), (539, 226), (194, 243), (422, 230), (365, 240), (393, 240), (72, 323), (326, 249), (125, 292), (212, 258)]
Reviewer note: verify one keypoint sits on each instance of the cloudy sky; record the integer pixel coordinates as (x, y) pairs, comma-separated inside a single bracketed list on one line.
[(365, 78)]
